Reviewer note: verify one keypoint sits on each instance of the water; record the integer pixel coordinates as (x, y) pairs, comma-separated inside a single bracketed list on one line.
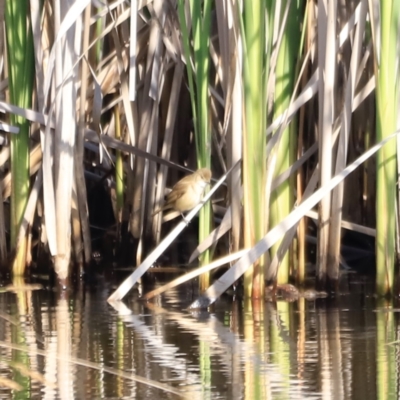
[(76, 346)]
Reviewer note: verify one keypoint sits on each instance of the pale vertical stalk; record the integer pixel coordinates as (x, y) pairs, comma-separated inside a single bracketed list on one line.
[(78, 193), (228, 18), (327, 66), (168, 136), (119, 168), (83, 219), (132, 51), (64, 145), (49, 233), (147, 108), (386, 120), (301, 231), (234, 145), (333, 259)]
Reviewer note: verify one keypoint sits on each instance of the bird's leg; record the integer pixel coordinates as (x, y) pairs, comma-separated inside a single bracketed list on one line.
[(187, 222)]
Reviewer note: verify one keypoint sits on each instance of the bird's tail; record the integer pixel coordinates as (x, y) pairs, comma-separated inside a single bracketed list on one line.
[(160, 209)]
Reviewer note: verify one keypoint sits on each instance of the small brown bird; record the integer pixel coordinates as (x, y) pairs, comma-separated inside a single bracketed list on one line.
[(187, 193)]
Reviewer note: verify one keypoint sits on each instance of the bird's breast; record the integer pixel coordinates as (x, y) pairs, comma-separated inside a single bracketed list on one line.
[(190, 198)]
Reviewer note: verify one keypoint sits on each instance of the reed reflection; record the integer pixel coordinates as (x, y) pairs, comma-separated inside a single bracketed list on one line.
[(77, 346)]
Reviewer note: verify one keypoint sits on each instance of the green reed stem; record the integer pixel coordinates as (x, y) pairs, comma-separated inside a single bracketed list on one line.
[(200, 13), (386, 122), (20, 82), (286, 71), (254, 143)]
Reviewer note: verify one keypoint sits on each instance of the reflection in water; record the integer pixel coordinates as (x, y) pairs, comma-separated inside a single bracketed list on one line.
[(79, 347)]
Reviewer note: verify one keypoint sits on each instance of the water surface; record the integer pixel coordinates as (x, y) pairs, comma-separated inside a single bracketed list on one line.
[(76, 346)]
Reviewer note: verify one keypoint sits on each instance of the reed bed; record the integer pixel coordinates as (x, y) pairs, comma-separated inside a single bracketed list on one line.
[(288, 97)]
